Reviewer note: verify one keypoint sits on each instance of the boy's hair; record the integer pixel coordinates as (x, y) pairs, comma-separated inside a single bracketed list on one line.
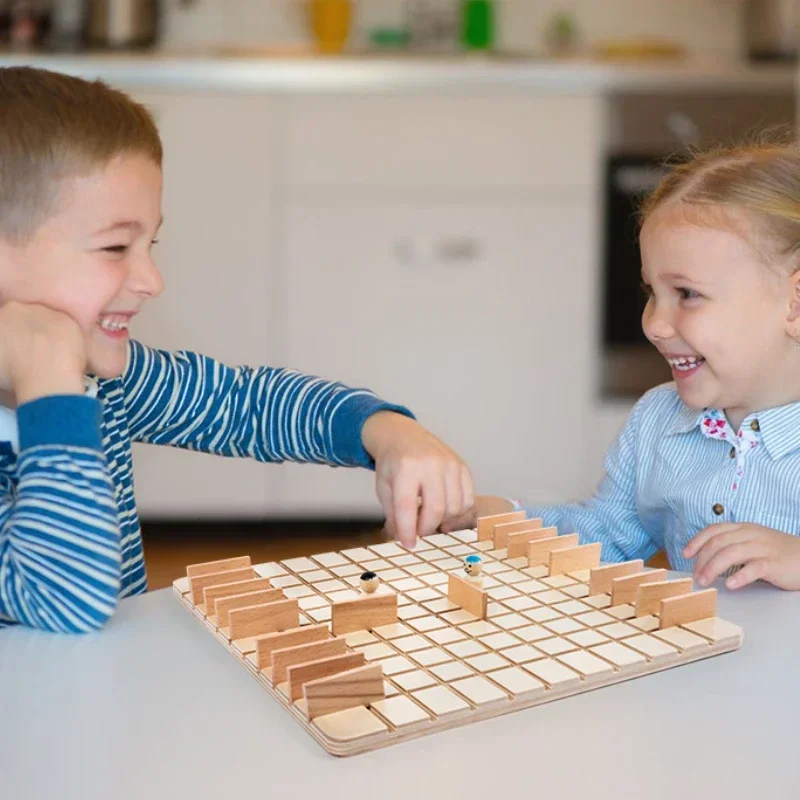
[(54, 127), (760, 178)]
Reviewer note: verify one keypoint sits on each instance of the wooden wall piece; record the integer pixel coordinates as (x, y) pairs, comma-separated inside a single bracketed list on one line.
[(223, 565), (267, 618), (268, 643), (539, 551), (300, 674), (486, 524), (600, 578), (354, 687), (467, 595), (687, 608), (516, 544), (624, 589), (201, 582), (224, 605), (573, 559), (213, 593), (364, 614), (501, 531), (302, 654), (650, 595)]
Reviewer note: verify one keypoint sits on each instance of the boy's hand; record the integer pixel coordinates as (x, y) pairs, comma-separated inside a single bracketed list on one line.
[(486, 505), (42, 352), (412, 466), (763, 553)]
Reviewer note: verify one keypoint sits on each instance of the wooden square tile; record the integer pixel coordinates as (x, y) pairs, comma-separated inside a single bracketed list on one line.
[(424, 624), (390, 689), (392, 574), (406, 560), (358, 638), (623, 611), (551, 597), (377, 565), (479, 628), (322, 614), (494, 567), (414, 680), (401, 711), (500, 554), (330, 586), (446, 635), (521, 603), (618, 630), (469, 647), (317, 575), (329, 559), (408, 584), (468, 535), (714, 629), (396, 665), (458, 616), (269, 570), (479, 691), (358, 554), (346, 594), (518, 682), (502, 593), (294, 592), (619, 655), (558, 581), (451, 671), (351, 724), (312, 601), (460, 550), (393, 631), (572, 608), (487, 662), (510, 621), (553, 673), (521, 654), (302, 564), (654, 649), (434, 579), (581, 575), (598, 601), (555, 646), (447, 564), (438, 606), (587, 637), (530, 586), (541, 614), (282, 581), (647, 623), (588, 665), (532, 633), (483, 546), (513, 577), (387, 550), (423, 568), (594, 618), (442, 540), (421, 595), (441, 701), (347, 570), (431, 657), (563, 625), (411, 611), (577, 590), (497, 641), (408, 644), (684, 640), (373, 652), (539, 571)]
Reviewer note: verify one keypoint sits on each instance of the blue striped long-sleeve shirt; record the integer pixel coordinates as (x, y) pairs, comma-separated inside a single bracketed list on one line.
[(70, 542), (673, 471)]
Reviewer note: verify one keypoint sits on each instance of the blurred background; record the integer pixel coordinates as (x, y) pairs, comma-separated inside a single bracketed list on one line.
[(431, 198)]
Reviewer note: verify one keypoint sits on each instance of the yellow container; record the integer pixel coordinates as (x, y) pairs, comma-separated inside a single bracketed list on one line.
[(330, 23)]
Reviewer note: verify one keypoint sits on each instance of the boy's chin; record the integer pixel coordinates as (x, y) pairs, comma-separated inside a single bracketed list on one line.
[(105, 364)]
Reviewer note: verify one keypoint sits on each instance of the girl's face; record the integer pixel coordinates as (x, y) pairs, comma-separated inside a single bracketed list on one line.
[(719, 315)]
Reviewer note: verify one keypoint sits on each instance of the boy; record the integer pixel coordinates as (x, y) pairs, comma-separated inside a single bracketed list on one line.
[(80, 208)]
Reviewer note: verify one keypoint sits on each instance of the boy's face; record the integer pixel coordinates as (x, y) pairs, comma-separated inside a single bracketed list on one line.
[(718, 314), (92, 258)]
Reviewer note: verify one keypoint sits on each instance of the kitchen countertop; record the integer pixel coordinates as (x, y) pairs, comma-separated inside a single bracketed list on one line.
[(223, 71), (153, 706)]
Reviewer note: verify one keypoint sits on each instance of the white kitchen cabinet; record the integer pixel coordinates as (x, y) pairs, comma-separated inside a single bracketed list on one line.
[(478, 316), (216, 258)]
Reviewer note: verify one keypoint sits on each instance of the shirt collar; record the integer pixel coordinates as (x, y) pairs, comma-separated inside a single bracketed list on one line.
[(779, 426)]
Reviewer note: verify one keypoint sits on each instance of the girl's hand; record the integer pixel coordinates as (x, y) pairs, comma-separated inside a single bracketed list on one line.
[(763, 553)]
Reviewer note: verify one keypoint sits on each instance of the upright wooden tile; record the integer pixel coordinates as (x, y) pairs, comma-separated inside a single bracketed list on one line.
[(624, 589), (212, 567), (467, 595), (302, 654), (213, 593), (365, 613), (486, 524), (569, 559), (199, 583), (268, 643), (688, 608), (517, 543), (539, 551), (600, 578), (224, 605), (502, 531), (268, 618), (361, 686), (650, 595), (300, 674)]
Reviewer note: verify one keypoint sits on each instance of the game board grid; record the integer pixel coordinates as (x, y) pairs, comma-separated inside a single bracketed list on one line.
[(549, 653)]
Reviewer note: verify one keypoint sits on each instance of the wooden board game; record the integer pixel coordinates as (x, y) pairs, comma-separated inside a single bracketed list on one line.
[(362, 667)]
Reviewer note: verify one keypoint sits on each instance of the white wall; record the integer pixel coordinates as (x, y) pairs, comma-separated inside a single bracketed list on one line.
[(701, 25)]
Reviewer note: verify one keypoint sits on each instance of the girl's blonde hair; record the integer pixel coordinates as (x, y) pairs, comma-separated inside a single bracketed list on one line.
[(54, 127), (760, 179)]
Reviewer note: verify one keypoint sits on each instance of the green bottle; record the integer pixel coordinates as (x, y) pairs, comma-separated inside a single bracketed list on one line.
[(477, 24)]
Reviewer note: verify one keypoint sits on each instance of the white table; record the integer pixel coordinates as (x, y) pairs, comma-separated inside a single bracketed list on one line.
[(154, 707)]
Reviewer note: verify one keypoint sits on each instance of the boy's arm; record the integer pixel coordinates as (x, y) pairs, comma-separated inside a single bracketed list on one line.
[(188, 400), (59, 541), (610, 516)]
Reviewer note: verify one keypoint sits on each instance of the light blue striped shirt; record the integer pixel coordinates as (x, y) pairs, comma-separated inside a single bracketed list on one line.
[(70, 543), (673, 471)]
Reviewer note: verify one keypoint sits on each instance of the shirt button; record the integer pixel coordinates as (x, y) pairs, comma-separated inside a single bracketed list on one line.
[(755, 426), (718, 508), (732, 453)]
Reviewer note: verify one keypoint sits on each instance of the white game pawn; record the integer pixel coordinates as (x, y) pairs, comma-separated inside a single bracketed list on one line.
[(369, 582)]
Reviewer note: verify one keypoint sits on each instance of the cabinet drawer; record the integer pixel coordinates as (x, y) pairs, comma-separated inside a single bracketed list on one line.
[(419, 141)]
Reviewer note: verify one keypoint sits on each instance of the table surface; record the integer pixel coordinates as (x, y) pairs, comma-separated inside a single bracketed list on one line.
[(153, 706)]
